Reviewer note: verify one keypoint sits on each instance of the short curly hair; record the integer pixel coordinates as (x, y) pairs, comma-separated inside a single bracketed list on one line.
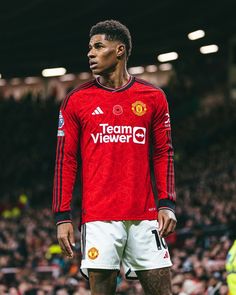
[(114, 31)]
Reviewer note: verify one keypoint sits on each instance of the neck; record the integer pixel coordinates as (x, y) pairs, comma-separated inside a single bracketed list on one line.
[(115, 79)]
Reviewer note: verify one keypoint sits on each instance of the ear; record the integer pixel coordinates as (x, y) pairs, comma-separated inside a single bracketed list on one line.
[(120, 50)]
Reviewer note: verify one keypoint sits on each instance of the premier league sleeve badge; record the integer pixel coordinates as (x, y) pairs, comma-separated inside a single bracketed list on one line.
[(61, 120)]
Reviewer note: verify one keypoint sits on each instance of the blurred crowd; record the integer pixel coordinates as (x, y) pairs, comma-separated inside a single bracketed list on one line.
[(31, 261)]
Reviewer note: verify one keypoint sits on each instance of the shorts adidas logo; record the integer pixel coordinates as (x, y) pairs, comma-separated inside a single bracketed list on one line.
[(166, 255), (97, 111)]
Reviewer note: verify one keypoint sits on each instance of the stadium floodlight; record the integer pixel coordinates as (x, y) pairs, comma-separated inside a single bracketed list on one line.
[(151, 68), (3, 82), (53, 72), (165, 67), (84, 76), (67, 78), (167, 56), (196, 35), (31, 80), (136, 70), (209, 49)]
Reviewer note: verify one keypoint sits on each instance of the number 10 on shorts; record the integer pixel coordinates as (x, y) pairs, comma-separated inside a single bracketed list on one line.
[(160, 241)]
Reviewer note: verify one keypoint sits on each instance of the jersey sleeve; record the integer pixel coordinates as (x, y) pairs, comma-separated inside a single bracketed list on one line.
[(66, 161), (163, 154)]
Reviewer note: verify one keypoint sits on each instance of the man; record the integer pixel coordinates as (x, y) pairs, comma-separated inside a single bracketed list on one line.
[(114, 120), (231, 268)]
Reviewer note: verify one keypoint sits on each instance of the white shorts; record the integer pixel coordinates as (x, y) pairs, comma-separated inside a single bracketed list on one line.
[(134, 244)]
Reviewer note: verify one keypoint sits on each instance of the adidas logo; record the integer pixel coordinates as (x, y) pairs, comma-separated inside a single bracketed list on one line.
[(166, 255), (97, 111)]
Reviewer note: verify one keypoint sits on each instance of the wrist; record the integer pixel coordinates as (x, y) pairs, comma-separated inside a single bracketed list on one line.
[(62, 222), (166, 204), (62, 217)]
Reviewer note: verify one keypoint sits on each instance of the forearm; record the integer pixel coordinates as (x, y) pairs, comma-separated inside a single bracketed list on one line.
[(66, 163), (164, 176), (164, 173)]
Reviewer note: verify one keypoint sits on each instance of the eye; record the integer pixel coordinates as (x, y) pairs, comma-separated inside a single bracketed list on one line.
[(98, 45)]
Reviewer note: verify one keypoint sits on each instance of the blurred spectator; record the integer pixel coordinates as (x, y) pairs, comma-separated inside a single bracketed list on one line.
[(231, 269)]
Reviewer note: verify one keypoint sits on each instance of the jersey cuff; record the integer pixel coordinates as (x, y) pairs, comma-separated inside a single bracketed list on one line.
[(62, 217), (166, 204)]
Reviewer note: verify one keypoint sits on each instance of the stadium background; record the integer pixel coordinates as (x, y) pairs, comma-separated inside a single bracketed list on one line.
[(200, 88)]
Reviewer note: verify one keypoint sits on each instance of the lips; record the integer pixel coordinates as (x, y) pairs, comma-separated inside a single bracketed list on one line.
[(92, 64)]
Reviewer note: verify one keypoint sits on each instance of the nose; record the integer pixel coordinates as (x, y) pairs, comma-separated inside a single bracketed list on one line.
[(91, 53)]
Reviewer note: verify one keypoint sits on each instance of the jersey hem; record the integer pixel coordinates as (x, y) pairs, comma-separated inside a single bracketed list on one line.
[(85, 220)]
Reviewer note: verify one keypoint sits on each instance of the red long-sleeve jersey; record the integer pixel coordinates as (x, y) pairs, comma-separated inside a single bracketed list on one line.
[(114, 130)]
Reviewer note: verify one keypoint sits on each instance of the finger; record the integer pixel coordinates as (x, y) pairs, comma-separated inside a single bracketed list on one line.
[(165, 227), (72, 238), (66, 247), (160, 221), (63, 252), (62, 248), (171, 227)]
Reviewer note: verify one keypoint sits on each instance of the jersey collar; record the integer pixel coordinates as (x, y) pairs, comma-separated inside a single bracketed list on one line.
[(124, 87)]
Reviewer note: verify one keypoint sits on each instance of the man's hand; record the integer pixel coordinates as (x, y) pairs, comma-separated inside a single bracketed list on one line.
[(167, 222), (65, 236)]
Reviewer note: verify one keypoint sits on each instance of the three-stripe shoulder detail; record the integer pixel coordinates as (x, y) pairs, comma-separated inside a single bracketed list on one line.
[(143, 82)]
